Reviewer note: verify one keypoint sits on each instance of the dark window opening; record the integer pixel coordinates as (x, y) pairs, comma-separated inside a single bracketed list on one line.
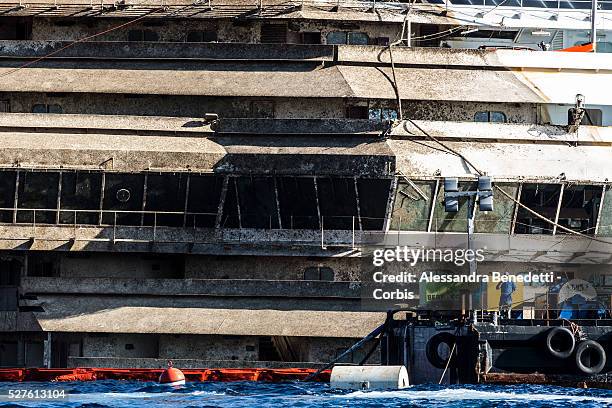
[(143, 35), (357, 112), (165, 193), (274, 33), (267, 350), (122, 198), (7, 194), (230, 217), (80, 191), (490, 116), (298, 202), (319, 273), (43, 264), (15, 28), (129, 346), (373, 199), (201, 36), (544, 200), (311, 38), (338, 203), (579, 208), (257, 198), (37, 191), (5, 106), (203, 200), (8, 354), (592, 117), (47, 108)]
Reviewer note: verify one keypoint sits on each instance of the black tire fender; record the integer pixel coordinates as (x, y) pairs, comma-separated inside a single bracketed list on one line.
[(590, 357), (431, 349), (560, 342)]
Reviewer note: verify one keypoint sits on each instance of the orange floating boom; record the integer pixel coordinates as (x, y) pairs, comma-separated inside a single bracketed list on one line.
[(152, 374), (579, 48)]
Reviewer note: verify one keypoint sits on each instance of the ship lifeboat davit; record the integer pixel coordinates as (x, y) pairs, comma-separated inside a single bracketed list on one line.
[(172, 376)]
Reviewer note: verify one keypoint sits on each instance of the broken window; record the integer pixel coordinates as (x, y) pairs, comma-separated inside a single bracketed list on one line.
[(373, 199), (336, 37), (356, 38), (257, 198), (311, 37), (500, 219), (544, 200), (412, 205), (203, 200), (274, 33), (342, 37), (579, 208), (7, 195), (338, 203), (298, 202), (38, 190), (452, 221), (80, 191), (123, 199), (384, 114), (490, 116), (604, 227), (592, 117), (165, 193), (262, 109), (5, 106), (47, 108), (143, 35), (201, 36)]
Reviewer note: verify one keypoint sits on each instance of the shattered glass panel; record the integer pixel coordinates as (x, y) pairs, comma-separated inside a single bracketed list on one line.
[(336, 37), (605, 220), (452, 221), (579, 208), (543, 199), (500, 219), (411, 208)]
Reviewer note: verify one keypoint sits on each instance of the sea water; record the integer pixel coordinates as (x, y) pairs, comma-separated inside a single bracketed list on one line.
[(135, 394)]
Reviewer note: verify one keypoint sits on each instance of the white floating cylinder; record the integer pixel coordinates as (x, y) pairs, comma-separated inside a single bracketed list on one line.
[(369, 377)]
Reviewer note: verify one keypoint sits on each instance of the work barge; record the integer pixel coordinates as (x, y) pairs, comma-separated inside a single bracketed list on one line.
[(202, 186)]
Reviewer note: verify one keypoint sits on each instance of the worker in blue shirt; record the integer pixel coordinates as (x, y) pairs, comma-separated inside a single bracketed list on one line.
[(505, 298)]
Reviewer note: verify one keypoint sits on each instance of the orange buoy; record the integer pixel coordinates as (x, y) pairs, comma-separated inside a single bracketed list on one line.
[(172, 376)]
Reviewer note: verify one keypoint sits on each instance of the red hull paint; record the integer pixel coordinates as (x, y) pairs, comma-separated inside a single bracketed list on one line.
[(152, 374)]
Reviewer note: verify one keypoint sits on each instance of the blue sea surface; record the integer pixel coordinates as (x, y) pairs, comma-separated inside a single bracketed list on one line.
[(135, 394)]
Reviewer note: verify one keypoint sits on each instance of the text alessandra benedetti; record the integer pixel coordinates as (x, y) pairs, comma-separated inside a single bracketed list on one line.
[(432, 277)]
